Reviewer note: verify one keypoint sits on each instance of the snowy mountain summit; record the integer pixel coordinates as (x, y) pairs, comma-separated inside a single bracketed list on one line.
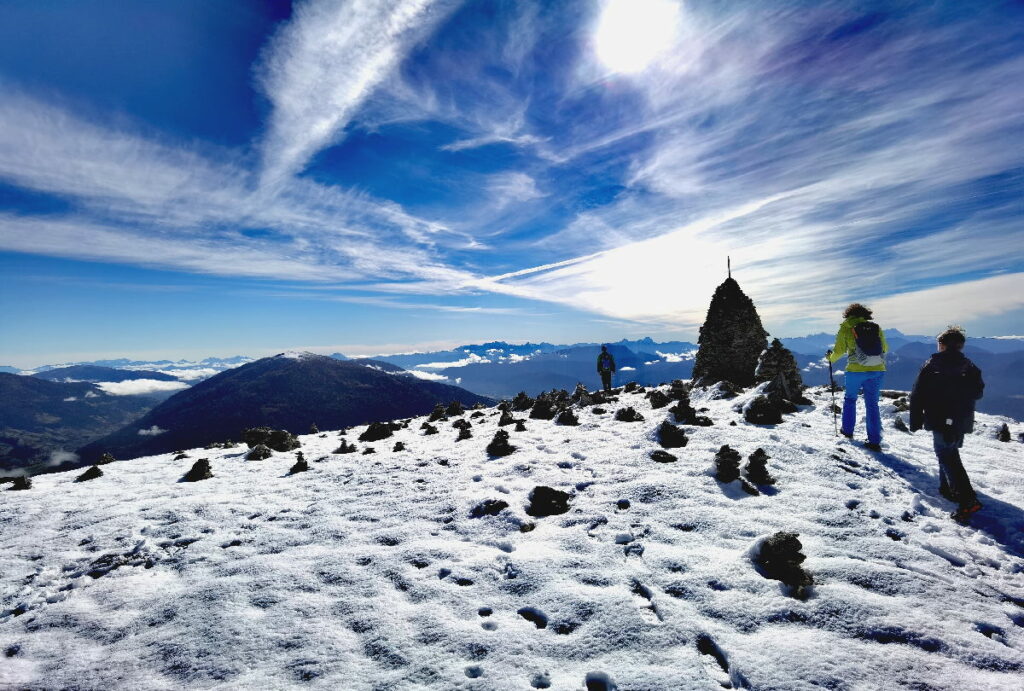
[(596, 550)]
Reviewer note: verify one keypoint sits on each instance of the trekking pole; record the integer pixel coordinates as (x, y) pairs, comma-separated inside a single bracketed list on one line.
[(832, 388)]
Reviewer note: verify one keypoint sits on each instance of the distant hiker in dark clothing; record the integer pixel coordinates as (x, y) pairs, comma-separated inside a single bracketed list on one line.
[(943, 402), (605, 367), (863, 343)]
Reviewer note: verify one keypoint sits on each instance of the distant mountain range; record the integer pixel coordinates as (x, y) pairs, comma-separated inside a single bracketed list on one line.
[(41, 421), (95, 373), (63, 418), (289, 391)]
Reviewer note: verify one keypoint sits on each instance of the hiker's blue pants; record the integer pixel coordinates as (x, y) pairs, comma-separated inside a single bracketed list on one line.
[(871, 383)]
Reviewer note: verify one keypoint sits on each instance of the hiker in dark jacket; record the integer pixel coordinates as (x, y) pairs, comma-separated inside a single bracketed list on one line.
[(605, 367), (864, 370), (943, 402)]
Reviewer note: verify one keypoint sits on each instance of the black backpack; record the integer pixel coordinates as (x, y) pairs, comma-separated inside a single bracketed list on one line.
[(868, 336)]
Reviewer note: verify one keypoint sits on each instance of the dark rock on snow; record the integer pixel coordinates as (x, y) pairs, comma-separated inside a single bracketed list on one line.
[(500, 446), (92, 473), (276, 439), (628, 415), (671, 437), (377, 431), (259, 453), (547, 501), (757, 468), (520, 426), (658, 399), (21, 482), (566, 417), (301, 465), (1004, 433), (780, 559), (399, 446), (106, 458), (345, 447), (727, 464), (488, 507), (777, 361), (200, 470), (660, 456)]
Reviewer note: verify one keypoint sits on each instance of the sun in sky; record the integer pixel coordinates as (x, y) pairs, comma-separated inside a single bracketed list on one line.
[(631, 34)]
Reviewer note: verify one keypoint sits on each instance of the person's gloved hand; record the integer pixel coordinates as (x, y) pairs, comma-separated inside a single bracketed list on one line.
[(828, 353)]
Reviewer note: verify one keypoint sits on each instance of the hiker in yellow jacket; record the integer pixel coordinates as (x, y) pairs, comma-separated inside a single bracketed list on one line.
[(861, 341)]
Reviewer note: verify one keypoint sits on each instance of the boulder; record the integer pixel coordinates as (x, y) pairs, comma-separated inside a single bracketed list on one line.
[(522, 402), (566, 417), (671, 437), (276, 439), (628, 415), (547, 501), (899, 424), (377, 431), (658, 399), (259, 452), (659, 456), (313, 429), (437, 413), (399, 446), (105, 459), (520, 425), (22, 482), (500, 445), (200, 470), (345, 447), (464, 433), (1004, 433), (780, 559), (685, 414), (761, 410), (543, 408), (488, 507), (454, 409), (581, 397), (92, 473), (630, 387), (428, 429)]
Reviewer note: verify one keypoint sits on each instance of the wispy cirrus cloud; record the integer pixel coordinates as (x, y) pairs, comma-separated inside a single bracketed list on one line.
[(321, 67)]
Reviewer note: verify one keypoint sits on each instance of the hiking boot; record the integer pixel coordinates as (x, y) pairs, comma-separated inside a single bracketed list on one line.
[(965, 512), (848, 435), (872, 447)]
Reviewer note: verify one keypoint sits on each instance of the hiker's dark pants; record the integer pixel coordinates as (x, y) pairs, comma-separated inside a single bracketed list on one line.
[(606, 380), (952, 476)]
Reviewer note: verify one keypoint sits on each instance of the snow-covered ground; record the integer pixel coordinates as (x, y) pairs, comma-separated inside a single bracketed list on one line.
[(367, 572)]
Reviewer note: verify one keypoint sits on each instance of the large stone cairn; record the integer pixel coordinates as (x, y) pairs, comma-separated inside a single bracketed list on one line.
[(731, 338), (777, 361)]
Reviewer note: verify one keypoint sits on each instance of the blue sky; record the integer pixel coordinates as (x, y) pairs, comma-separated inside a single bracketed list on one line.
[(210, 178)]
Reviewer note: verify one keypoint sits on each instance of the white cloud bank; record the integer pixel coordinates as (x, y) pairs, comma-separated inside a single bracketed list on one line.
[(151, 431), (136, 387)]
